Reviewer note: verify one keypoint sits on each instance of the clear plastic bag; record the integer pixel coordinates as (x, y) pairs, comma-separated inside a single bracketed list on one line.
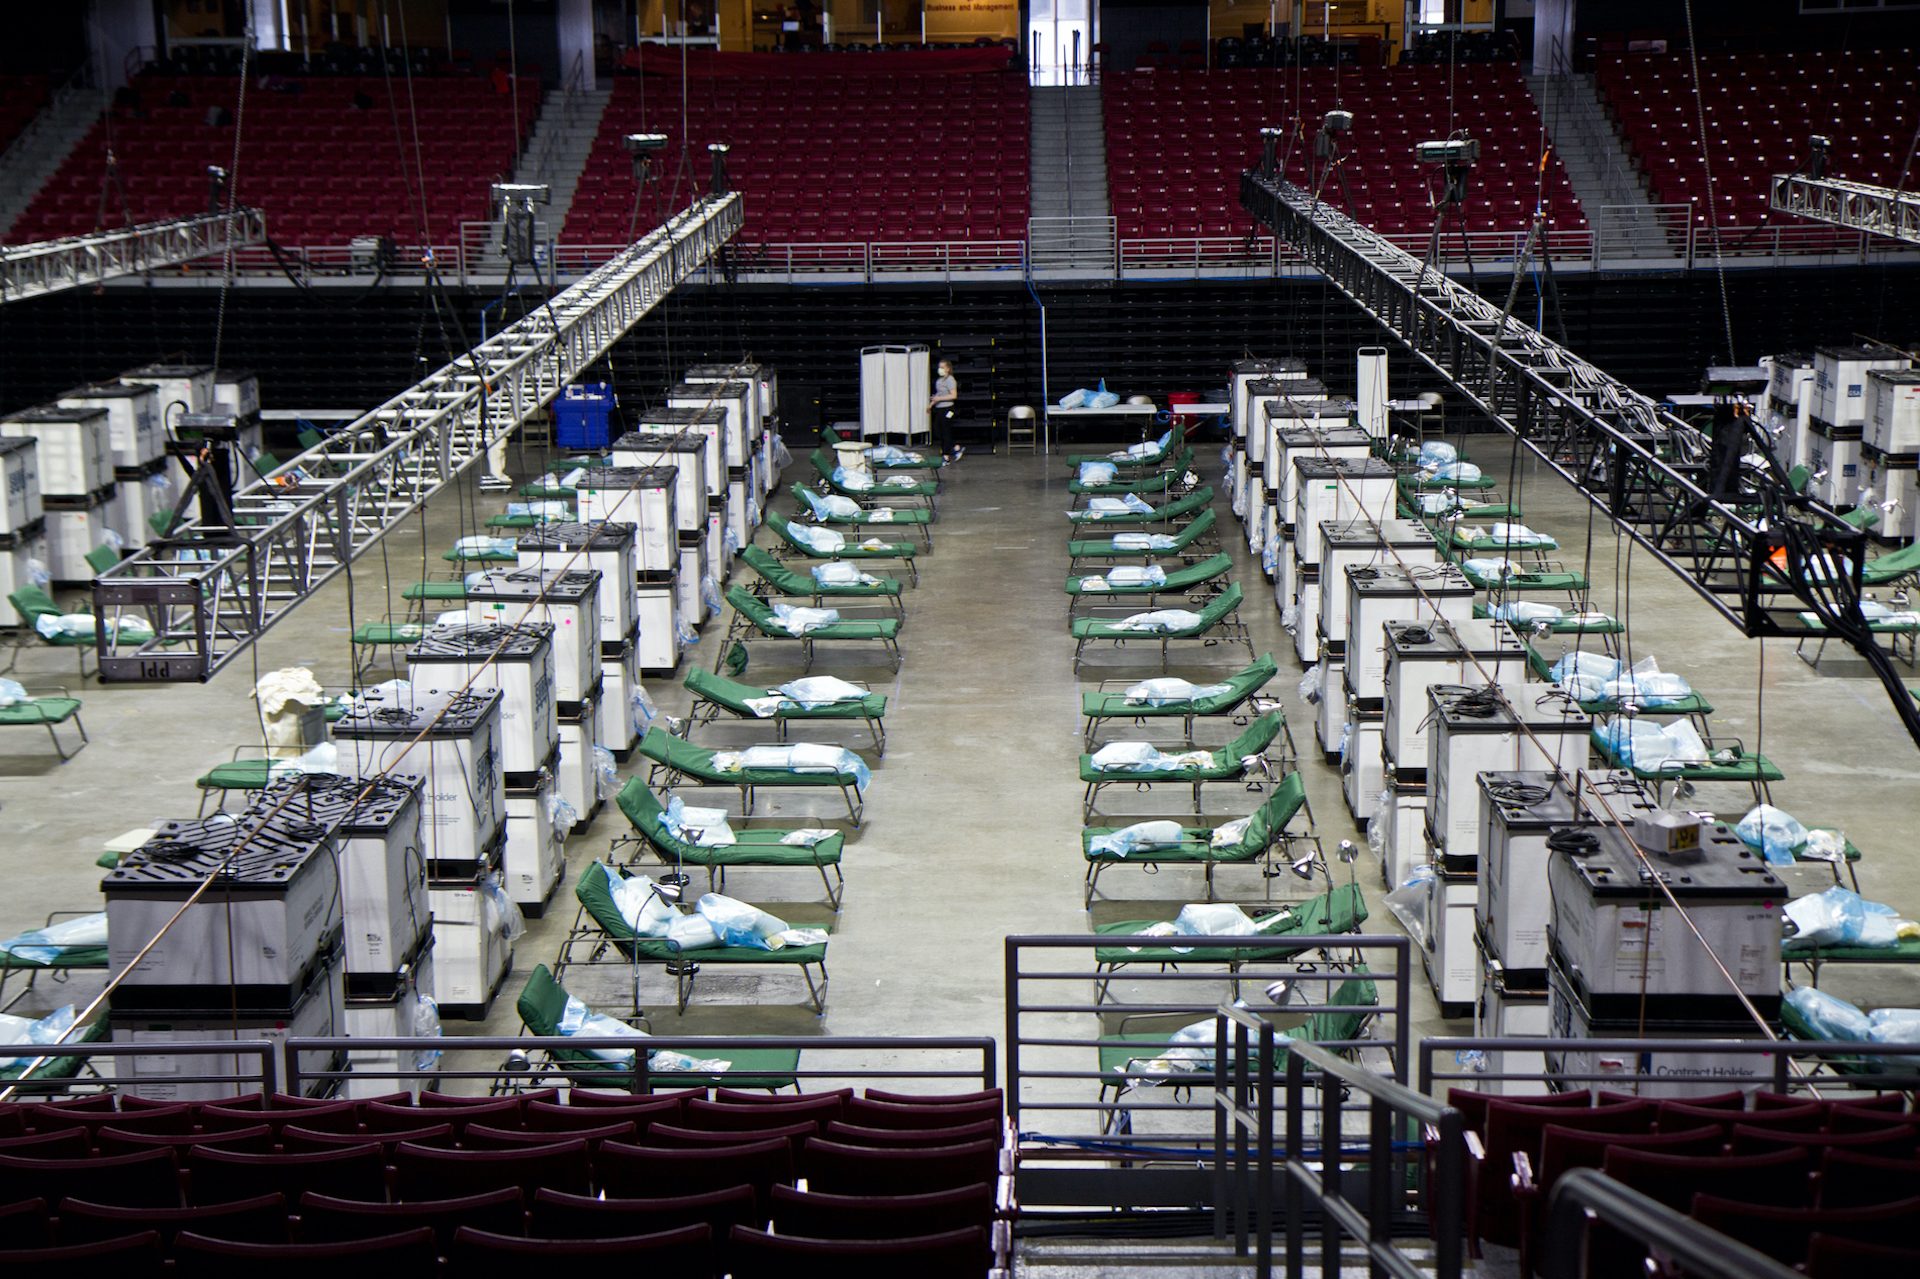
[(1377, 826), (1775, 833), (38, 574), (690, 932), (1437, 453), (1653, 748), (12, 692), (606, 772), (1074, 399), (31, 1031), (645, 712), (821, 690), (1290, 619), (562, 815), (426, 1025), (1170, 691), (1309, 686), (1410, 902), (707, 827), (710, 593), (1830, 1016), (644, 910), (1136, 575), (796, 620), (782, 459), (1214, 919), (502, 915), (46, 945), (1159, 621), (688, 636), (821, 541), (1836, 917), (1096, 473), (1138, 838), (1231, 833), (736, 923)]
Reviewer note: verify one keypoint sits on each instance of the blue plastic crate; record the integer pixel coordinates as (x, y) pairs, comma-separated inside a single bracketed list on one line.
[(581, 414)]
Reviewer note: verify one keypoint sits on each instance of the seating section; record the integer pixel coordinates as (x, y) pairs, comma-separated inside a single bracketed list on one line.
[(834, 159), (687, 1181), (21, 97), (1761, 109), (1177, 142), (1781, 1174), (325, 169)]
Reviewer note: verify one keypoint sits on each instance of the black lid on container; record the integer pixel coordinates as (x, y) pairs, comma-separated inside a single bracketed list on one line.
[(573, 535), (109, 391), (520, 642), (665, 441), (244, 851), (559, 586), (1725, 867), (678, 417), (163, 369), (706, 372), (704, 391), (630, 477), (50, 413), (346, 805), (465, 713), (1276, 364)]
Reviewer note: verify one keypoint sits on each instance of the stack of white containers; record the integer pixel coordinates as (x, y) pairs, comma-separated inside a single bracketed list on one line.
[(760, 419), (76, 483), (1839, 417), (452, 739), (701, 532), (648, 498), (606, 549), (141, 487), (23, 524), (260, 957), (389, 924), (737, 403), (178, 389), (1890, 446), (1788, 407)]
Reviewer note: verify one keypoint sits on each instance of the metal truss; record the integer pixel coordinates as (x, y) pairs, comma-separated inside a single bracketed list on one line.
[(1853, 205), (1727, 525), (51, 266), (208, 591)]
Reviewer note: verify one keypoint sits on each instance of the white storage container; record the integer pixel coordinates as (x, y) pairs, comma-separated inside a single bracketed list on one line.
[(658, 605), (18, 564), (763, 377), (71, 533), (133, 419), (159, 1075), (1243, 373), (1306, 428), (1472, 732), (1834, 457), (1362, 774), (1893, 411), (1306, 621), (394, 1016), (743, 514), (471, 953), (1370, 377), (1451, 959), (460, 758), (691, 579), (568, 601), (717, 543), (1891, 485), (1789, 407), (1262, 393), (1840, 381), (534, 859), (383, 867), (178, 388), (1366, 545), (20, 505), (619, 681), (1420, 654), (1626, 956), (605, 548), (684, 451), (1507, 1010), (574, 774), (516, 662), (1518, 810), (269, 921), (1700, 1072), (1288, 444), (238, 391), (76, 455), (1330, 710), (1335, 490), (1391, 593), (636, 496), (703, 422), (737, 401), (1403, 837)]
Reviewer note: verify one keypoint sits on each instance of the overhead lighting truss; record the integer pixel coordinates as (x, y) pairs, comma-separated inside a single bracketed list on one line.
[(1723, 520), (209, 590), (52, 266), (1856, 206)]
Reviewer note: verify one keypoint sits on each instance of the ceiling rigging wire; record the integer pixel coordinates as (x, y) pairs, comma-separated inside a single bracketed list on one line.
[(233, 191), (1706, 165)]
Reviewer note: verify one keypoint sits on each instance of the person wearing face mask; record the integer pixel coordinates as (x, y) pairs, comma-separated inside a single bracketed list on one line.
[(943, 406)]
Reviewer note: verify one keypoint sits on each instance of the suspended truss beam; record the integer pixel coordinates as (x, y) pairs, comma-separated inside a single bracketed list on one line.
[(209, 591), (52, 266), (1771, 561), (1853, 205)]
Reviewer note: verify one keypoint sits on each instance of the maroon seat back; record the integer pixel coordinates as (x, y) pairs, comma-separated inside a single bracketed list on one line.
[(1785, 1233), (837, 1168), (638, 1172), (685, 1251), (954, 1254), (328, 1219), (1893, 1141), (144, 1179), (428, 1172), (223, 1176), (1849, 1179), (562, 1216), (404, 1252), (547, 1116), (262, 1219), (854, 1135)]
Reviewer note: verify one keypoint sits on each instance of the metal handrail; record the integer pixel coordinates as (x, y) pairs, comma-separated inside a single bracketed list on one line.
[(1779, 1073), (262, 1077), (1387, 1098), (1585, 1195)]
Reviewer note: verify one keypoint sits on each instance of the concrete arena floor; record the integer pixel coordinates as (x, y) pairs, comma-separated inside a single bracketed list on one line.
[(973, 821)]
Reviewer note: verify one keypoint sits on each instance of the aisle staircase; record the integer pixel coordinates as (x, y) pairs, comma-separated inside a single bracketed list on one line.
[(43, 146), (1600, 166), (1070, 224), (555, 155)]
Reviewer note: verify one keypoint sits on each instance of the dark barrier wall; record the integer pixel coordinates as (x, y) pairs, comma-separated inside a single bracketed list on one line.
[(325, 348)]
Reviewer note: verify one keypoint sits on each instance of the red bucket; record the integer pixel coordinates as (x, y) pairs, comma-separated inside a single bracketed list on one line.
[(1176, 400)]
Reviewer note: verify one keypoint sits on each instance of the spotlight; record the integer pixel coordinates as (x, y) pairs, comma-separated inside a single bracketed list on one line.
[(216, 188), (1270, 138), (1348, 852), (513, 207), (1280, 993), (1453, 151), (1817, 148), (1303, 865), (718, 150), (1326, 143), (639, 143)]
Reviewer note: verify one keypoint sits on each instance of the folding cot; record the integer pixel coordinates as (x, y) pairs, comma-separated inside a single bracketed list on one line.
[(1174, 512), (917, 518), (681, 761), (1159, 482), (55, 1073), (1693, 706), (852, 550), (762, 847), (1178, 545), (713, 694), (753, 616), (908, 461), (1267, 826), (69, 960), (1220, 615), (1191, 579), (1239, 760), (1902, 634), (1339, 910), (609, 929), (47, 710), (1104, 704), (1566, 624), (882, 487), (779, 579), (543, 1001), (1340, 1021), (1744, 769), (1176, 444), (33, 603)]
